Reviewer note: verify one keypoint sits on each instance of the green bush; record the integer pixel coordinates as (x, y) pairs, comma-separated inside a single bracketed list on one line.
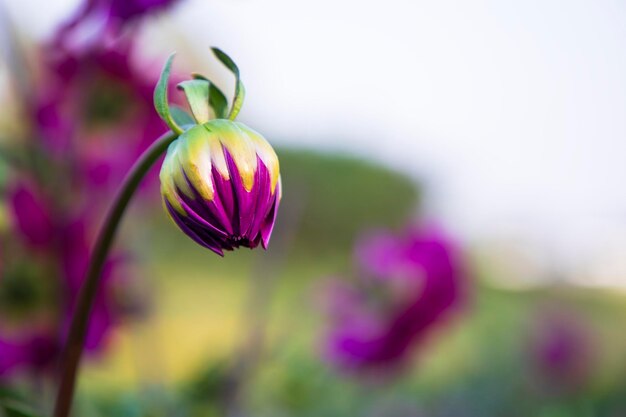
[(335, 197)]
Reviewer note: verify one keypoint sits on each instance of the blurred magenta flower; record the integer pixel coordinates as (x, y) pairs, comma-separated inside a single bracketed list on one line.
[(75, 254), (91, 117), (41, 274), (103, 19), (31, 215), (405, 286), (220, 184), (562, 352), (96, 110), (34, 352)]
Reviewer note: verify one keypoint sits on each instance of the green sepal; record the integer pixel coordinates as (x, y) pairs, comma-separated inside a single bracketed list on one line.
[(240, 91), (197, 93), (217, 99), (181, 117), (13, 404), (226, 60), (160, 97)]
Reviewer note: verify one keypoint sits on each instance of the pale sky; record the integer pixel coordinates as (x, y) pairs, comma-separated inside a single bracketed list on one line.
[(512, 112)]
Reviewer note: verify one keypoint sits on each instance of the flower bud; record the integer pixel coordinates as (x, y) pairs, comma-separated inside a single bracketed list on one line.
[(220, 184), (220, 180)]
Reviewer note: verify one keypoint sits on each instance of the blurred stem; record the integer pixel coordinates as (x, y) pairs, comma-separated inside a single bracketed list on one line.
[(80, 319)]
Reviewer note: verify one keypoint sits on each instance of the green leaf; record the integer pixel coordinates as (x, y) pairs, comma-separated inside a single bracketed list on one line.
[(180, 116), (240, 91), (160, 97), (197, 93), (9, 393)]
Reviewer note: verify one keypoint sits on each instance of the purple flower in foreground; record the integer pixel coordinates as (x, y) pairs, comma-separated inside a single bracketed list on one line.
[(406, 285), (221, 185)]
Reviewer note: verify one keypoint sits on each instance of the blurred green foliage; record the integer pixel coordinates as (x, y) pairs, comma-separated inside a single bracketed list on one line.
[(14, 404), (341, 195), (474, 366)]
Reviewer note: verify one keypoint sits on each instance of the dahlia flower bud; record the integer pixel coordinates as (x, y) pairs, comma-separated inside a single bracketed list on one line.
[(220, 184), (220, 180)]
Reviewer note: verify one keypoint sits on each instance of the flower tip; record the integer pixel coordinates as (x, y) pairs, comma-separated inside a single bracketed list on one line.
[(226, 60), (198, 76)]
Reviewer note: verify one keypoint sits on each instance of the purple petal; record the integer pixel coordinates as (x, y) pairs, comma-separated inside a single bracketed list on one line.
[(244, 211), (190, 231), (270, 219), (223, 204), (264, 199)]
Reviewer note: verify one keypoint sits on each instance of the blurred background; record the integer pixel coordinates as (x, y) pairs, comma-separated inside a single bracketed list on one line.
[(451, 240)]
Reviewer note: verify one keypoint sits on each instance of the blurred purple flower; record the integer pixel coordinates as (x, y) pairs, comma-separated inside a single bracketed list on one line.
[(32, 215), (75, 256), (97, 109), (562, 352), (93, 111), (38, 290), (34, 351), (405, 286), (102, 19)]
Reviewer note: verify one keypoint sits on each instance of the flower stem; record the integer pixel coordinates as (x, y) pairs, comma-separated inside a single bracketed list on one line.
[(80, 319)]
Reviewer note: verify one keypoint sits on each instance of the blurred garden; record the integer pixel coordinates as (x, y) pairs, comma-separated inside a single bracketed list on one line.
[(251, 273)]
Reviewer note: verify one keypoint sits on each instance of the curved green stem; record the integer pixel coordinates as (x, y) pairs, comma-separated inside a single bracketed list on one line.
[(78, 328)]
